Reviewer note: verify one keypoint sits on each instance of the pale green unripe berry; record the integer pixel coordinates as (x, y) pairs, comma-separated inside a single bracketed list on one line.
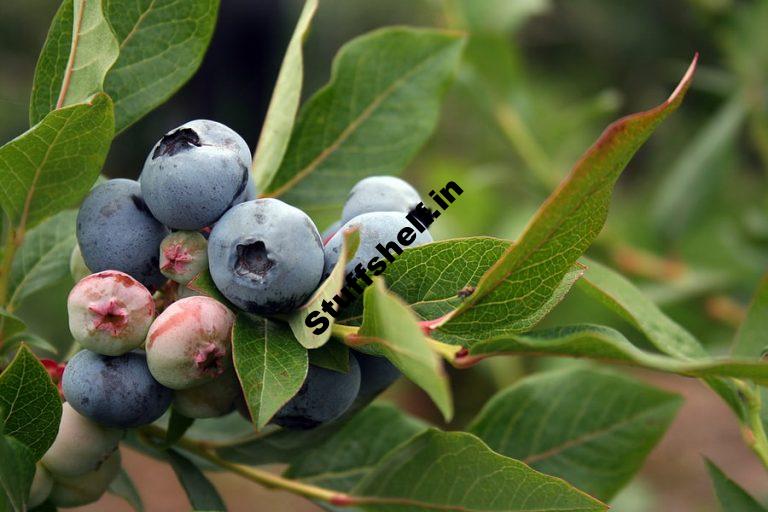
[(84, 489), (80, 446), (42, 484), (77, 267)]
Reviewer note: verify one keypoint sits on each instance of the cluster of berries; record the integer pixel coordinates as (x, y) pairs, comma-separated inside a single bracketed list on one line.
[(194, 208)]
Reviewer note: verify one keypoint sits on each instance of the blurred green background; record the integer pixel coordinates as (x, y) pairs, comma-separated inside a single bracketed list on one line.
[(540, 81)]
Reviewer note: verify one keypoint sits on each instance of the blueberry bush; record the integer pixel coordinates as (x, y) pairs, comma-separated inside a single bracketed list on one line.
[(195, 286)]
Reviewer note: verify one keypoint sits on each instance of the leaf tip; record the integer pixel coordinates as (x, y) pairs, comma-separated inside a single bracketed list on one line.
[(685, 82)]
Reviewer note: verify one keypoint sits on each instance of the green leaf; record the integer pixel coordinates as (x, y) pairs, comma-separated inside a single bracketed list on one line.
[(381, 105), (731, 496), (751, 339), (278, 446), (162, 43), (498, 16), (456, 471), (332, 356), (670, 338), (563, 228), (10, 325), (177, 427), (591, 428), (52, 166), (452, 268), (31, 339), (30, 401), (201, 493), (325, 292), (16, 471), (353, 451), (449, 266), (43, 259), (49, 72), (124, 487), (281, 115), (606, 344), (77, 54), (270, 364), (390, 329), (156, 46), (203, 283), (686, 190), (621, 296)]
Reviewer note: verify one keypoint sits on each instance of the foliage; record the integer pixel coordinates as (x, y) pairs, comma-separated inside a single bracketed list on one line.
[(562, 440)]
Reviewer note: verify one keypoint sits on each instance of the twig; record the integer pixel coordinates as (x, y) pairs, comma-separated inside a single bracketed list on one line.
[(153, 435)]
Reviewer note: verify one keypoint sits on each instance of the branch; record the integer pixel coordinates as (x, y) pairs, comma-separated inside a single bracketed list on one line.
[(754, 430), (154, 436)]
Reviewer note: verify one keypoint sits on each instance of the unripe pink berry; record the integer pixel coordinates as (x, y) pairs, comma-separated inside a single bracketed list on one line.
[(189, 343), (183, 255), (110, 312)]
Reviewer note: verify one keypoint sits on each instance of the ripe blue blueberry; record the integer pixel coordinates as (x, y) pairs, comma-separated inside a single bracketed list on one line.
[(195, 173), (374, 228), (376, 375), (116, 231), (80, 445), (265, 256), (379, 194), (114, 391), (324, 397)]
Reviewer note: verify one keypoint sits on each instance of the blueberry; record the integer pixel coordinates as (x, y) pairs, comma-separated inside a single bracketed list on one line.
[(265, 256), (115, 391), (115, 231), (376, 374), (84, 489), (110, 312), (380, 194), (210, 400), (374, 228), (183, 255), (195, 173), (324, 397), (189, 343), (80, 445)]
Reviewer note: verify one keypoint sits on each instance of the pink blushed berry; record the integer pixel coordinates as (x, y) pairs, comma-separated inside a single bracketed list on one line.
[(183, 255), (189, 343), (109, 315), (110, 312)]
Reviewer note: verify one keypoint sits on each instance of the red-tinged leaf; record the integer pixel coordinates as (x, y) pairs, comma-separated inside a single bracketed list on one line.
[(563, 228)]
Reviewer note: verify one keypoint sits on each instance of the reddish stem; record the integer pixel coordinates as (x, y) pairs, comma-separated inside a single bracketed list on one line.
[(428, 326)]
